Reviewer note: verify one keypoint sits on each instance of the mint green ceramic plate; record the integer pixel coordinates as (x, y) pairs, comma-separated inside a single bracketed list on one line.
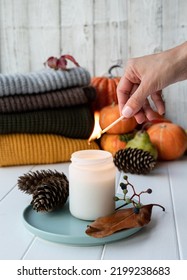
[(60, 226)]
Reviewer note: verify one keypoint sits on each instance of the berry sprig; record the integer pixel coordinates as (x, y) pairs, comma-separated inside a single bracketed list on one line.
[(136, 216), (128, 200)]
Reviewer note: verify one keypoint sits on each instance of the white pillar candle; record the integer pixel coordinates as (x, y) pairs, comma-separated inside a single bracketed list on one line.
[(91, 184)]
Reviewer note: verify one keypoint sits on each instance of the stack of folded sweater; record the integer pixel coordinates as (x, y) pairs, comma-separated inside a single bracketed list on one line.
[(45, 116)]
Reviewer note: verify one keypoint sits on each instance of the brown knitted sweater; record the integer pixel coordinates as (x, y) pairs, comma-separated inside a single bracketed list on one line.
[(51, 99)]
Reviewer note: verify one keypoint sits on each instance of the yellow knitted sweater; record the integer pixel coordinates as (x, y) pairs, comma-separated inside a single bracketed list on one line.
[(22, 149)]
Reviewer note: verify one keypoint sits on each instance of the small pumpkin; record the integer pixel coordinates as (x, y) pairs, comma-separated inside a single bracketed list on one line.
[(106, 89), (114, 142), (170, 140), (111, 113)]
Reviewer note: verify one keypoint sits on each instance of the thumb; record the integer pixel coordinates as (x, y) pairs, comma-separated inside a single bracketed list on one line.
[(134, 103)]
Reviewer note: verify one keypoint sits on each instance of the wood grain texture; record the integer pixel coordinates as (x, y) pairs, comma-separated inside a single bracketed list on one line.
[(14, 48), (98, 33), (174, 32), (144, 32), (44, 31), (77, 31)]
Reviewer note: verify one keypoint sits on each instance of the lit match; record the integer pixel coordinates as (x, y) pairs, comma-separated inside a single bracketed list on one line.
[(98, 135)]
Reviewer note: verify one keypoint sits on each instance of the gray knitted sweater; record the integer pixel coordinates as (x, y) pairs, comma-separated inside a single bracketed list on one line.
[(42, 81)]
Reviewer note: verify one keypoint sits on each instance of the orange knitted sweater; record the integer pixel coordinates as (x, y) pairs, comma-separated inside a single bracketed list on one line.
[(23, 149)]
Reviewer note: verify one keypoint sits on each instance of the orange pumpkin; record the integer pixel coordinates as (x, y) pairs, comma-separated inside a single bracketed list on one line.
[(111, 113), (169, 139), (106, 90), (112, 143)]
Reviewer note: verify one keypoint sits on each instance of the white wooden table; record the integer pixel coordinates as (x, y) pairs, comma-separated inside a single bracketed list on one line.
[(165, 237)]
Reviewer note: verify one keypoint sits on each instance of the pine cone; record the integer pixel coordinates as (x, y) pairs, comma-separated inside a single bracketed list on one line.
[(135, 161), (51, 195), (28, 182)]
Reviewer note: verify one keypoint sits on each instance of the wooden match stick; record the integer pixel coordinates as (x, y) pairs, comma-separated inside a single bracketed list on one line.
[(111, 125)]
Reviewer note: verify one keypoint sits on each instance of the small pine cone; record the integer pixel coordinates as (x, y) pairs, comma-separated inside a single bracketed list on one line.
[(135, 161), (51, 195), (28, 182)]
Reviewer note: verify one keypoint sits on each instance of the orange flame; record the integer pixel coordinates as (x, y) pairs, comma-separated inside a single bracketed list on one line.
[(97, 129)]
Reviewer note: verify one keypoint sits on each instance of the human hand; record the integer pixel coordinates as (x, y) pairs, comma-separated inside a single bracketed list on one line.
[(147, 76)]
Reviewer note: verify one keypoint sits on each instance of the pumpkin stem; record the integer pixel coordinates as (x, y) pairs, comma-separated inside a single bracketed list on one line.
[(111, 68), (127, 136), (146, 125)]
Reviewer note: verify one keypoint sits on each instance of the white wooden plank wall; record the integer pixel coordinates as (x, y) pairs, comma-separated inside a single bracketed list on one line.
[(98, 33)]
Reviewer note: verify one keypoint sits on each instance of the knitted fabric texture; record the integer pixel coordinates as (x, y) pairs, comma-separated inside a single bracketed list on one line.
[(24, 149), (73, 122), (43, 81), (53, 99)]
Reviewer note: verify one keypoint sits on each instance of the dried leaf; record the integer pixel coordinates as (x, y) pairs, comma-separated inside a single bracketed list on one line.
[(60, 63), (52, 62), (71, 58), (120, 220)]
